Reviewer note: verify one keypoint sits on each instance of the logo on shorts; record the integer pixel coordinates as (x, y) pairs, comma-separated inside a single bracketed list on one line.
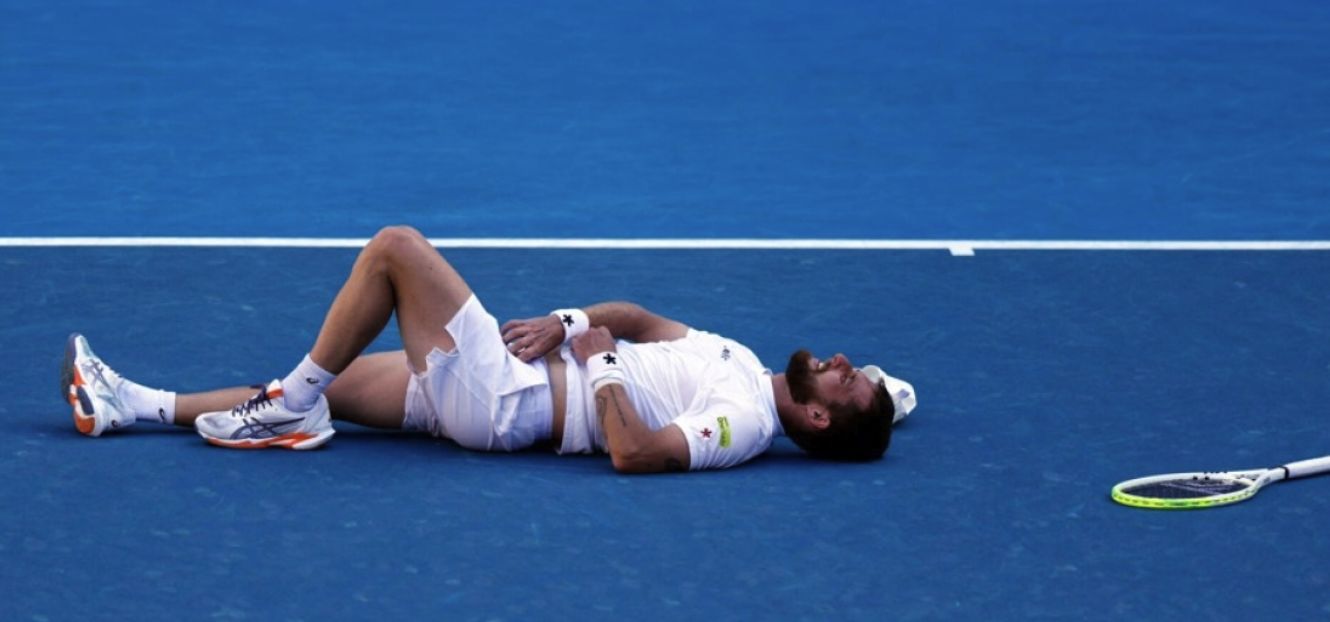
[(724, 423)]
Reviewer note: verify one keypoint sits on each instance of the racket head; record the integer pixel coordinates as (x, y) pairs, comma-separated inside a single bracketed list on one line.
[(1189, 491)]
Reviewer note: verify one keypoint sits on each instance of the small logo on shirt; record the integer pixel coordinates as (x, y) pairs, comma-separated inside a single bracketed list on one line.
[(705, 433), (725, 353), (724, 424)]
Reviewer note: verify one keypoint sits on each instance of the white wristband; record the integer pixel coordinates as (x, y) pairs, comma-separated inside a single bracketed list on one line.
[(575, 322), (604, 368)]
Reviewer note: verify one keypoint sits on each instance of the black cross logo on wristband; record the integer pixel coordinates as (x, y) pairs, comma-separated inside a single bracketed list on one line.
[(609, 359), (568, 319)]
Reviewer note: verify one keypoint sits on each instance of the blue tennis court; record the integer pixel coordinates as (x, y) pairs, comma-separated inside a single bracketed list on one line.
[(1044, 376)]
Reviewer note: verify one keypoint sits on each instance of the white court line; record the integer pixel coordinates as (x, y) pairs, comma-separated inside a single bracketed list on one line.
[(955, 247)]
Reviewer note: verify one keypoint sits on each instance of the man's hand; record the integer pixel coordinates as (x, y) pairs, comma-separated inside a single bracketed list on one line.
[(633, 446), (596, 340), (533, 338)]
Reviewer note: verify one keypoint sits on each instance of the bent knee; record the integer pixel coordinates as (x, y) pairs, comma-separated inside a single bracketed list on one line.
[(397, 241), (393, 235)]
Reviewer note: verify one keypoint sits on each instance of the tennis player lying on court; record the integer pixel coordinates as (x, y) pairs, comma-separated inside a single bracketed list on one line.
[(653, 393)]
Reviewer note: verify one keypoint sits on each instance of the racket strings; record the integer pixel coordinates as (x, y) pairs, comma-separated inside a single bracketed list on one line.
[(1189, 488)]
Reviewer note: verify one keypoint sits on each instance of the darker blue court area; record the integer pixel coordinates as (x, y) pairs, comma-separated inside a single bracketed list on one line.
[(1044, 377)]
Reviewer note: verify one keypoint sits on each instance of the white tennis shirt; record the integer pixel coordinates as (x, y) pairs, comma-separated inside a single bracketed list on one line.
[(713, 388)]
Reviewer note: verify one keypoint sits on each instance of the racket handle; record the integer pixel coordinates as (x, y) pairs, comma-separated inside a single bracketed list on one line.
[(1303, 468)]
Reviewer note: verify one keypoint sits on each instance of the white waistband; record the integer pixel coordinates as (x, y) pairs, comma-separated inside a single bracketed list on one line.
[(577, 432)]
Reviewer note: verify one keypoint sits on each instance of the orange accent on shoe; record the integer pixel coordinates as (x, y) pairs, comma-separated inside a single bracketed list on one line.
[(234, 444), (291, 440), (85, 424), (285, 440)]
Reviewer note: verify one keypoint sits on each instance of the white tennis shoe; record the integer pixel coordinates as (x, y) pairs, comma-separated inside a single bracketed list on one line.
[(264, 421), (91, 387)]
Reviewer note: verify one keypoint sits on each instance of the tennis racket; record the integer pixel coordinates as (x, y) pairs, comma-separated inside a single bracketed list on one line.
[(1191, 491)]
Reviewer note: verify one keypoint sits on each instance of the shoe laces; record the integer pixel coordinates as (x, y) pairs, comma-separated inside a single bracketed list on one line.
[(106, 374), (258, 402)]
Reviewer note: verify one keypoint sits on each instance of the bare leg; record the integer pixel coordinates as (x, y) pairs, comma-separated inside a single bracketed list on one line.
[(397, 270), (372, 391)]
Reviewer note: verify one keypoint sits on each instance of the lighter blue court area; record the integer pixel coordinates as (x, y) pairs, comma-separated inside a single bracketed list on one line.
[(1044, 377), (1027, 119)]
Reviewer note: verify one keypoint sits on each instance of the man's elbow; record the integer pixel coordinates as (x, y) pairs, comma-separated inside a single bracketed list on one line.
[(636, 463), (630, 463)]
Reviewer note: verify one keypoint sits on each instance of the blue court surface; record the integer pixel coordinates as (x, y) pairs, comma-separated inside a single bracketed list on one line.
[(1044, 376)]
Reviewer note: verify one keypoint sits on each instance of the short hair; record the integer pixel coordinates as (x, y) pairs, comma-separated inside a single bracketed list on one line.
[(853, 434)]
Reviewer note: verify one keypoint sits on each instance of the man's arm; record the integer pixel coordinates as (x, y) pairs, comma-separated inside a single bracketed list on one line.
[(626, 320), (532, 338), (634, 447)]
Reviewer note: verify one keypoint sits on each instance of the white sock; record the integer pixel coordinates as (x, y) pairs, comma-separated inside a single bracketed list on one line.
[(302, 387), (153, 405)]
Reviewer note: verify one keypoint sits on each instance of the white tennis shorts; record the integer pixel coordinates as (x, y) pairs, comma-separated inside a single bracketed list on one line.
[(480, 395)]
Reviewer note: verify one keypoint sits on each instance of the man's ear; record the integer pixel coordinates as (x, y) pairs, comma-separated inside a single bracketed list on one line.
[(818, 416)]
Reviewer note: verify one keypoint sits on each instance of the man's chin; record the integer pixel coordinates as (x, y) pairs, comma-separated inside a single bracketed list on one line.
[(799, 376)]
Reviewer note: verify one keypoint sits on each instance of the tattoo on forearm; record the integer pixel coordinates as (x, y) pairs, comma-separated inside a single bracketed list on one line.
[(605, 404), (614, 393)]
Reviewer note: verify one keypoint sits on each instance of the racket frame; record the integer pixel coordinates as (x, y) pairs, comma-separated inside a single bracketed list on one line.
[(1258, 477)]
